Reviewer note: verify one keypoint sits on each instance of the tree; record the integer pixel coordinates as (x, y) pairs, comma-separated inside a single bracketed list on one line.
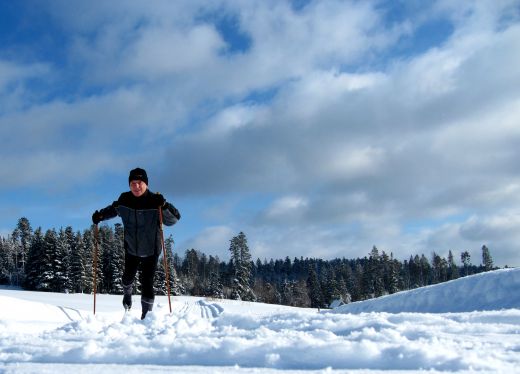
[(314, 287), (78, 271), (21, 238), (215, 288), (465, 257), (62, 260), (373, 275), (176, 286), (453, 270), (487, 260), (440, 268), (241, 264), (4, 259), (47, 280), (118, 257)]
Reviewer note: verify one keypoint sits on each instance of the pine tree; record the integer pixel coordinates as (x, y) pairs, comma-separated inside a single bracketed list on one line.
[(62, 262), (78, 271), (111, 279), (21, 239), (487, 260), (241, 263), (392, 275), (215, 289), (314, 287), (190, 268), (373, 275), (47, 280), (440, 268), (34, 261), (89, 242), (177, 288), (4, 270), (465, 257), (425, 271), (453, 270), (118, 258)]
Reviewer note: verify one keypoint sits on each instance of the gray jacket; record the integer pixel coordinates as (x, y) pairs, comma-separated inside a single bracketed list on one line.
[(141, 221)]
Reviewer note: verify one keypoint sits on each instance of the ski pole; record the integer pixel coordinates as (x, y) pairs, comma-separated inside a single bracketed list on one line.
[(164, 259), (94, 268)]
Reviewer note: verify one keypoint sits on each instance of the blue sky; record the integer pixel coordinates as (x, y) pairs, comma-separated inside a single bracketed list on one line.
[(319, 128)]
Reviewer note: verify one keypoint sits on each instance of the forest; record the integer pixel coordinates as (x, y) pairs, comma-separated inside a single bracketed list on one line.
[(62, 261)]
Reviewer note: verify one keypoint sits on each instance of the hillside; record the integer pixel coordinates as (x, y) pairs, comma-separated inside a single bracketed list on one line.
[(493, 290)]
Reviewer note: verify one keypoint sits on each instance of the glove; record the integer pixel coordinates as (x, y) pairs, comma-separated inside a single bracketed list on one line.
[(158, 200), (97, 217), (175, 212)]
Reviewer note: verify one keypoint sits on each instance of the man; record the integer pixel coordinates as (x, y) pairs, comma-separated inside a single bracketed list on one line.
[(140, 209)]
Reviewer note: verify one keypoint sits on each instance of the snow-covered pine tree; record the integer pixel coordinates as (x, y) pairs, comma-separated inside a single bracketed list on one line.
[(4, 256), (241, 263), (215, 288), (110, 279), (78, 273), (47, 280), (159, 281), (394, 283), (89, 248), (62, 264), (373, 275), (34, 261), (177, 288), (329, 285), (118, 257), (286, 292), (190, 270), (21, 239)]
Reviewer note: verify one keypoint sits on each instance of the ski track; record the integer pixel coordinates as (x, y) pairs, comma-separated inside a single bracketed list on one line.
[(200, 308)]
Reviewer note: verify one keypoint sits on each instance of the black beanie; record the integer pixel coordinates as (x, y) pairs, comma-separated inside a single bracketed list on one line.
[(138, 174)]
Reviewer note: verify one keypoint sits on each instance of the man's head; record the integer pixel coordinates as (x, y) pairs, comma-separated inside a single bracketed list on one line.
[(138, 181)]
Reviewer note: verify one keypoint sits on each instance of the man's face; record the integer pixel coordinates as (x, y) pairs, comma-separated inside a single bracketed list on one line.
[(138, 188)]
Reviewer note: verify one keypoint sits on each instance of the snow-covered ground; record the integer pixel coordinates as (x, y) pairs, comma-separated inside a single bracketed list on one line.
[(464, 326)]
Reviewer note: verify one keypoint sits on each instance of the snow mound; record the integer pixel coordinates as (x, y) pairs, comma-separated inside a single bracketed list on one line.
[(494, 290)]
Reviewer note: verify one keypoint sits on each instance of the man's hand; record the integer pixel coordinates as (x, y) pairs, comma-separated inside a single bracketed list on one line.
[(158, 200), (97, 217)]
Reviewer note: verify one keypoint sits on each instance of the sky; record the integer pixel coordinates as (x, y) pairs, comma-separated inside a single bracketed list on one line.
[(318, 128)]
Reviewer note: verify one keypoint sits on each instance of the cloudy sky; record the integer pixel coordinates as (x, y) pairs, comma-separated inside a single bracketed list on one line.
[(319, 128)]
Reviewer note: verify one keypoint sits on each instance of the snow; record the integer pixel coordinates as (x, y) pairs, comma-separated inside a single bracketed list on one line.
[(464, 326)]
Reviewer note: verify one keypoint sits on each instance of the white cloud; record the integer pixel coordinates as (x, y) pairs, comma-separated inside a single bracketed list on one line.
[(212, 240), (286, 206)]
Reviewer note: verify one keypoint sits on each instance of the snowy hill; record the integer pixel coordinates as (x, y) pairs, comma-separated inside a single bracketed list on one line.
[(45, 332), (486, 291)]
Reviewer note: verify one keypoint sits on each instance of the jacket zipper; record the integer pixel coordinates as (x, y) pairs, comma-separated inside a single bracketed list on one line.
[(136, 241)]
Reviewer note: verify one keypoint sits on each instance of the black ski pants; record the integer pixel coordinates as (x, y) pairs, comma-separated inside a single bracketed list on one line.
[(148, 268)]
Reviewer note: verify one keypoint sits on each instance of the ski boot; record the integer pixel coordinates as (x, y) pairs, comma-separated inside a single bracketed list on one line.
[(127, 296), (147, 306)]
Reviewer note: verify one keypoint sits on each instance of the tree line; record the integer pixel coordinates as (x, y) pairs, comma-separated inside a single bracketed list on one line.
[(62, 261)]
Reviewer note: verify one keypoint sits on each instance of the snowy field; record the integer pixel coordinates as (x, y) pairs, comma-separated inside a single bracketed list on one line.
[(471, 325)]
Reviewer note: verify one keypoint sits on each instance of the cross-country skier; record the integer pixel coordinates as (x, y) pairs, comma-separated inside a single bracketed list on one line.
[(139, 211)]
